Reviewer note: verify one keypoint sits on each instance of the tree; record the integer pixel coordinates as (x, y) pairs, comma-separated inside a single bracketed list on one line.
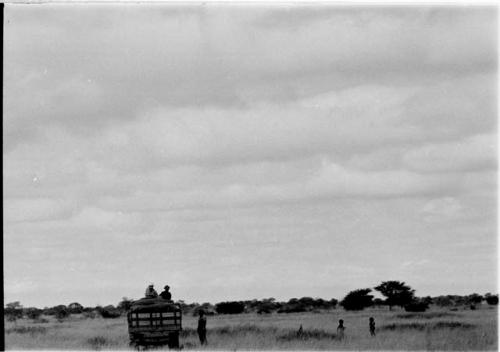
[(13, 311), (397, 293), (14, 305), (75, 308), (230, 307), (357, 300), (126, 303), (333, 303), (443, 301), (491, 299)]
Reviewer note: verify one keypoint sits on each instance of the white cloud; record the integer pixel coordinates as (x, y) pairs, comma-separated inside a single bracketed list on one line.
[(473, 153), (214, 56), (441, 209), (36, 209)]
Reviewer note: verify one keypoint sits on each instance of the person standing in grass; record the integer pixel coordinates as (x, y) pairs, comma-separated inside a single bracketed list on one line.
[(340, 329), (372, 326), (202, 327)]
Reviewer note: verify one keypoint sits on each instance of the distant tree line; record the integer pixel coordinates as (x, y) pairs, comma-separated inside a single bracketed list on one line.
[(396, 293)]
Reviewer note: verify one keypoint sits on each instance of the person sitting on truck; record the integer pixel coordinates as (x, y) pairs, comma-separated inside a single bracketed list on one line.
[(151, 292), (166, 294)]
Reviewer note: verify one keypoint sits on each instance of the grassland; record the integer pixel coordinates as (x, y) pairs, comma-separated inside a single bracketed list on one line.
[(462, 330)]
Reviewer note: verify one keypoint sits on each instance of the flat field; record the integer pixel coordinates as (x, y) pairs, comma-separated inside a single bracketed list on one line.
[(463, 330)]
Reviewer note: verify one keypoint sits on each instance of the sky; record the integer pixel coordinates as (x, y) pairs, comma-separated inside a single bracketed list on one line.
[(247, 151)]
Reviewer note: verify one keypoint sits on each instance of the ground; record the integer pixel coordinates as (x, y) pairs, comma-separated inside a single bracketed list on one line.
[(442, 329)]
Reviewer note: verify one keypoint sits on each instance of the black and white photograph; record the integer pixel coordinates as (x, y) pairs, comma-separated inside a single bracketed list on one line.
[(235, 176)]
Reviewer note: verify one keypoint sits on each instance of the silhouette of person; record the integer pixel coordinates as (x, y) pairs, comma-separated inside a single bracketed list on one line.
[(301, 331), (151, 292), (340, 329), (202, 327), (166, 294), (372, 326)]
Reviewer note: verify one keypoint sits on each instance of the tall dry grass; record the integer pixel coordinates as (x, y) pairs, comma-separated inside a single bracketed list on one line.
[(396, 330)]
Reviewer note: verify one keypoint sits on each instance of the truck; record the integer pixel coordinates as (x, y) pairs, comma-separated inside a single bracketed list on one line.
[(154, 321)]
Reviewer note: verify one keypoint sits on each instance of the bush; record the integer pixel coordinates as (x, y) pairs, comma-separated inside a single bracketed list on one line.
[(292, 308), (125, 304), (13, 314), (54, 310), (230, 307), (91, 315), (416, 307), (109, 312), (33, 313), (357, 300), (61, 313)]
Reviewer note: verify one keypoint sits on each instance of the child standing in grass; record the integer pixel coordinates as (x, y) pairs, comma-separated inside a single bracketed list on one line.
[(340, 329), (202, 327), (372, 326)]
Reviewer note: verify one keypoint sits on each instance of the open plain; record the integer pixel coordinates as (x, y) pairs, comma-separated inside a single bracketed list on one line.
[(396, 330)]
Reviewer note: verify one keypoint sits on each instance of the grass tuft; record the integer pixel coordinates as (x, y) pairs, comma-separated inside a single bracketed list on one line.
[(430, 315), (453, 325), (423, 326), (97, 342), (405, 326), (32, 330), (316, 334)]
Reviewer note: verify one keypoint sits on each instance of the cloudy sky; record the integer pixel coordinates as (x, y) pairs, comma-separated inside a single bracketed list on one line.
[(239, 152)]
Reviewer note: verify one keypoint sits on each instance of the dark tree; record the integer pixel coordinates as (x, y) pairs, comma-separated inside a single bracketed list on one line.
[(474, 299), (357, 300), (491, 299), (230, 307), (418, 305), (397, 293)]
